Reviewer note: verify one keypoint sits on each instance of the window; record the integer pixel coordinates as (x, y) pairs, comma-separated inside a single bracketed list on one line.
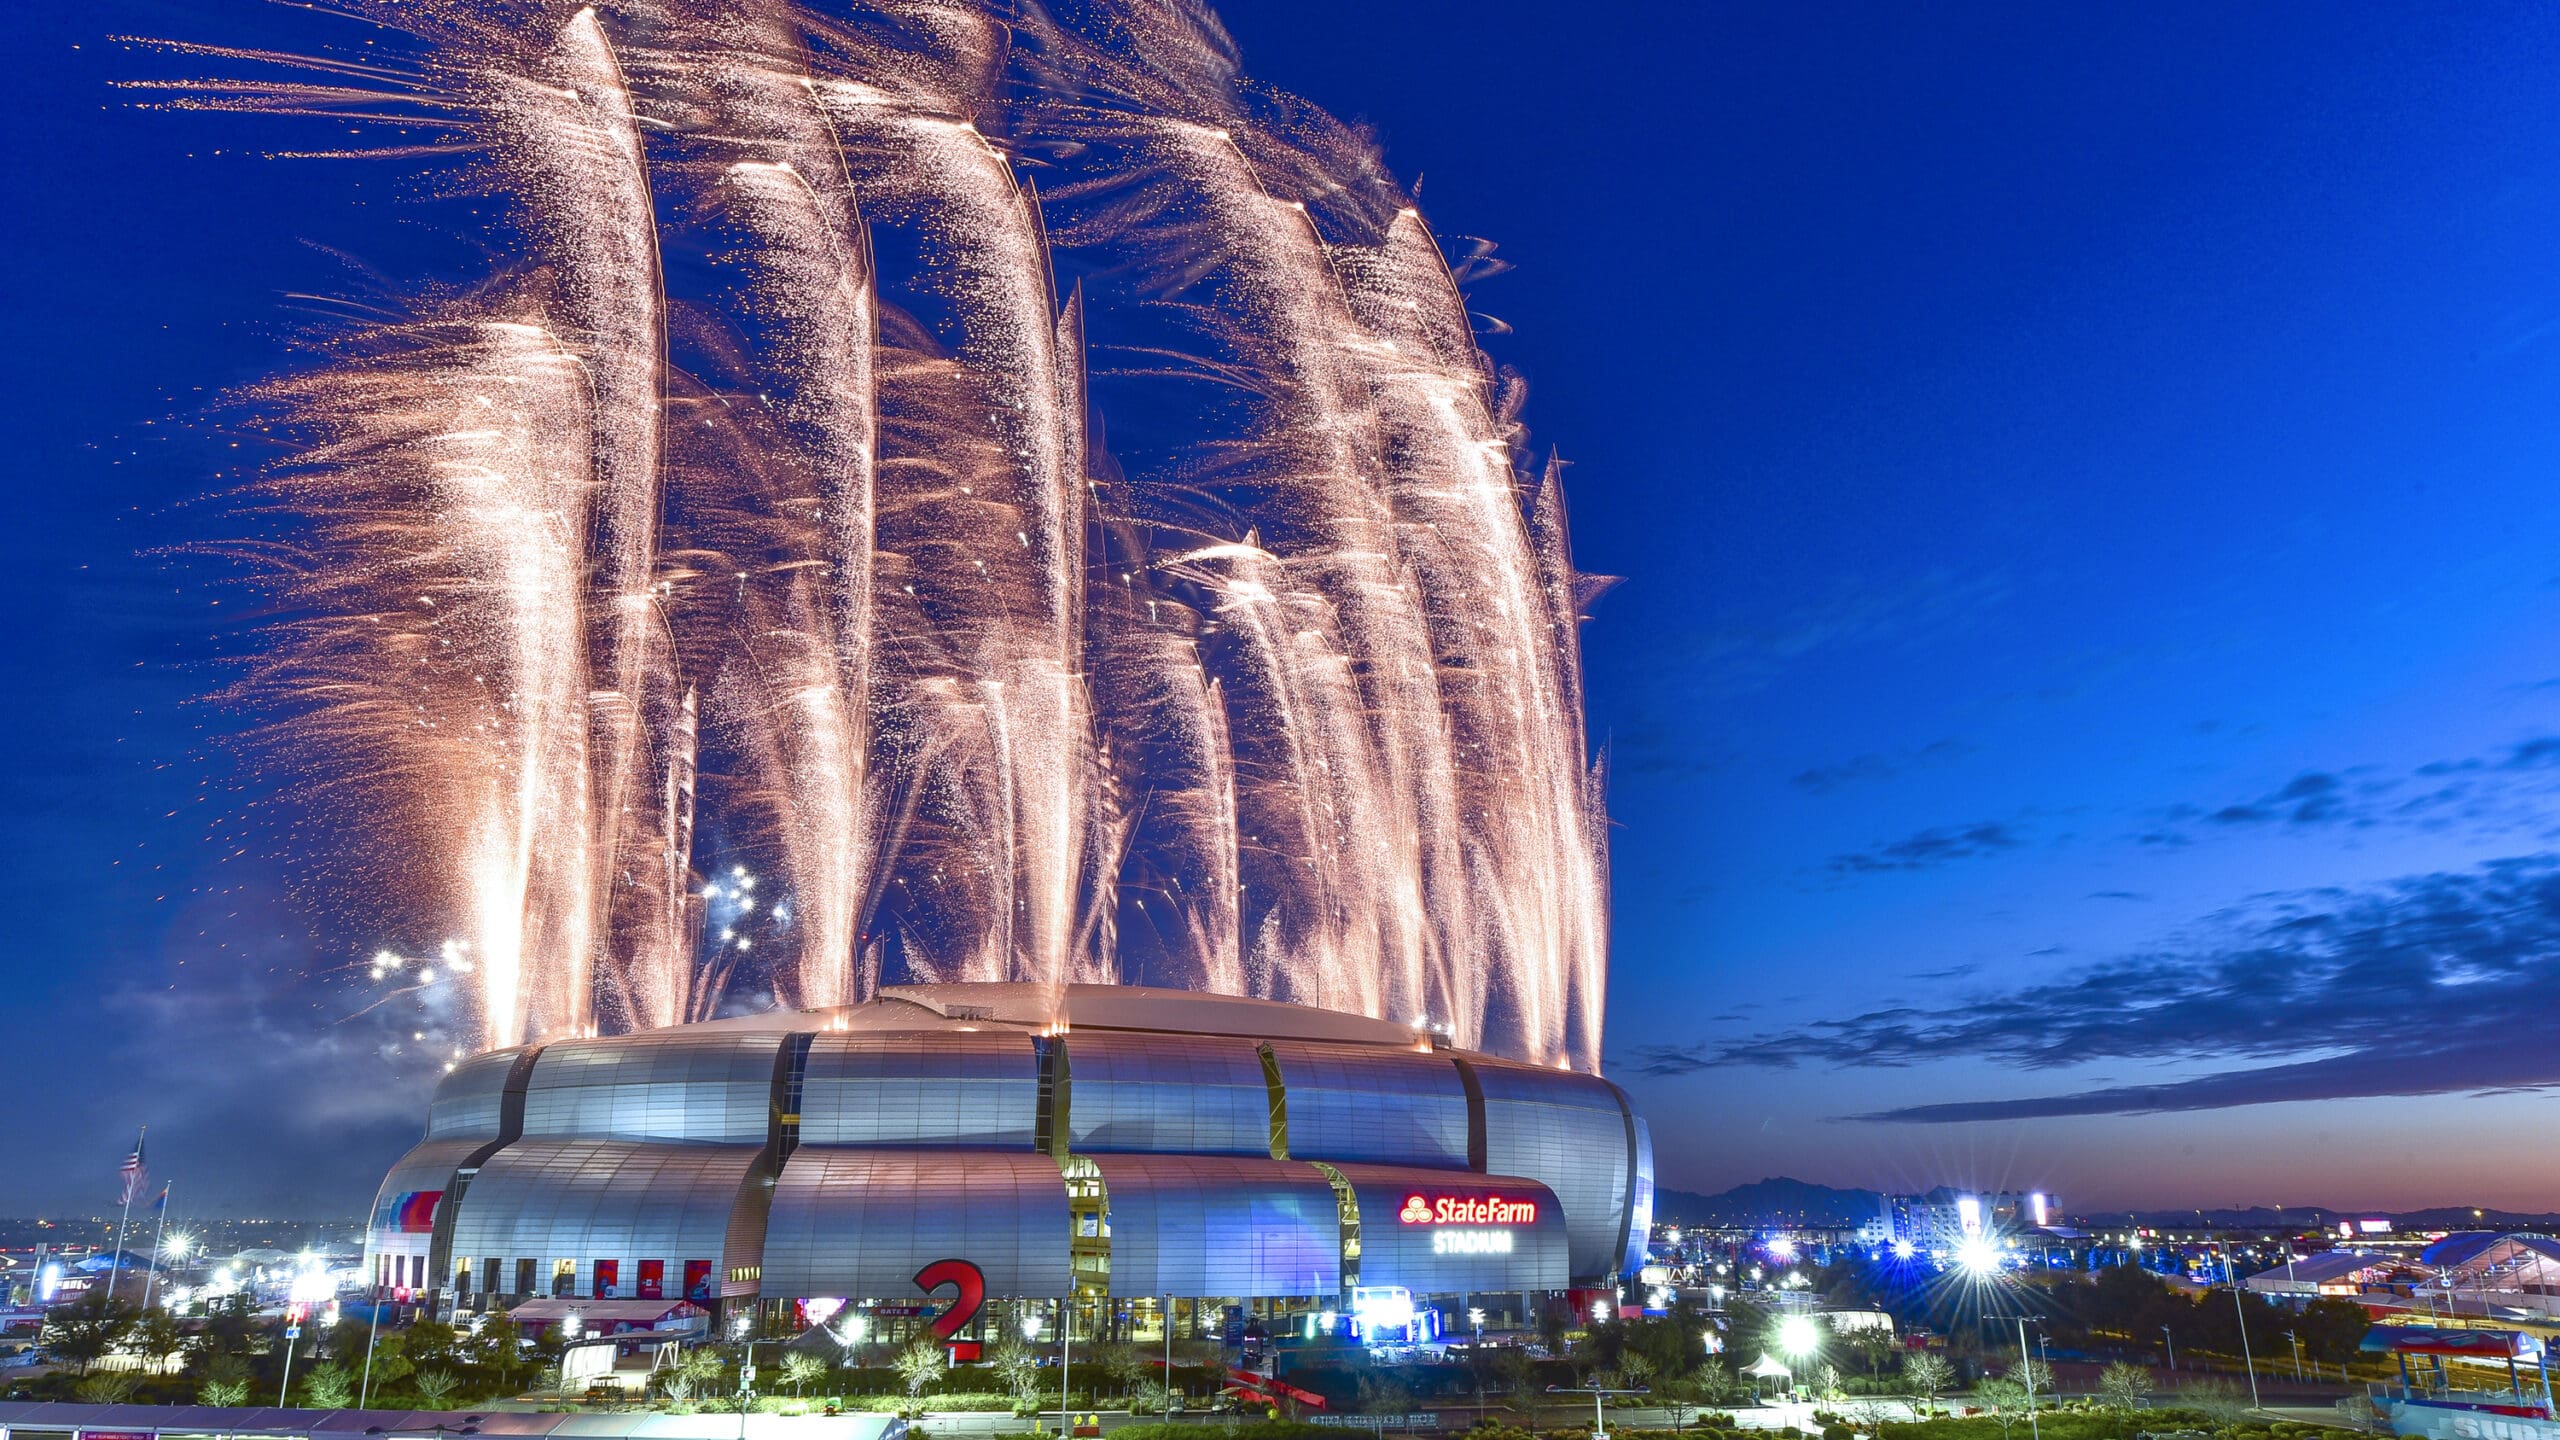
[(524, 1278), (564, 1278)]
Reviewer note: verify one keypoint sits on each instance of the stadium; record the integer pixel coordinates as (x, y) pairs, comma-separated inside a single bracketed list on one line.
[(1142, 1156)]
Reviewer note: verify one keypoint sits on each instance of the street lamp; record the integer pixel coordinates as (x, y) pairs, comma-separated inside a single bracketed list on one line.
[(2242, 1312), (1599, 1421)]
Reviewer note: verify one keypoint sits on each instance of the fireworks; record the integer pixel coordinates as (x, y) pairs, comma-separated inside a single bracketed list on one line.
[(819, 550)]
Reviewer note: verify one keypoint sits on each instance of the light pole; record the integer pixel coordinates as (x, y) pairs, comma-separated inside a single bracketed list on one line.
[(1599, 1420), (2297, 1353), (2172, 1342), (2242, 1312), (2027, 1372)]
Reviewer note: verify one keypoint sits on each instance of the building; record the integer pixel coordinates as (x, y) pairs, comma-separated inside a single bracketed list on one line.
[(1942, 1220), (1248, 1161)]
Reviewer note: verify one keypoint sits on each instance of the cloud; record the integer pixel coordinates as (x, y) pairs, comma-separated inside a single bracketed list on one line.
[(1830, 779), (2117, 895), (1741, 651), (1923, 849), (2304, 995), (2437, 796)]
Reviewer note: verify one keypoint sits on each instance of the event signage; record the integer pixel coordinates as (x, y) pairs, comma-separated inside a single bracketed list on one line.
[(1468, 1210), (2433, 1422)]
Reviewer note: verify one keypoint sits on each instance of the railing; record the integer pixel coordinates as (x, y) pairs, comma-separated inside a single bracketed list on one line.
[(2501, 1397)]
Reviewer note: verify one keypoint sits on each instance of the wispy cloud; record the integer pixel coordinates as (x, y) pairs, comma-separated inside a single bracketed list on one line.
[(1924, 849), (2327, 986), (1830, 779), (2506, 792)]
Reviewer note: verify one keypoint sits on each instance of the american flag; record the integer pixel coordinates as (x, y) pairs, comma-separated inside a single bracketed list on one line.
[(135, 1174)]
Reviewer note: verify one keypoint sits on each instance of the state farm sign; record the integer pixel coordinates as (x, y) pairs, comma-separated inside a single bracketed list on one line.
[(1468, 1210)]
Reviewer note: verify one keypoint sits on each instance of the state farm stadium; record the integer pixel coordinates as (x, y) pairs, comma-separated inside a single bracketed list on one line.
[(1137, 1155)]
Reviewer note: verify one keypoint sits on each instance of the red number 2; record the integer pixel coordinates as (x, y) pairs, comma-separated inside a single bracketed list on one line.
[(972, 1285)]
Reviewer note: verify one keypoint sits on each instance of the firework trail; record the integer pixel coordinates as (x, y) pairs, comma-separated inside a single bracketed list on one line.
[(815, 554)]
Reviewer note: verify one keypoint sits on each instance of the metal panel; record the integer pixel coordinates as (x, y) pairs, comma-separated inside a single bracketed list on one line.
[(426, 1170), (1640, 1224), (1568, 1132), (678, 1084), (1194, 1225), (1166, 1094), (587, 1200), (1362, 1102), (471, 1097), (1430, 1258), (860, 1223), (956, 1088)]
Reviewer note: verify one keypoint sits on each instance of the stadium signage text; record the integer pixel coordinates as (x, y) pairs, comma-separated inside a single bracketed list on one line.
[(1468, 1210)]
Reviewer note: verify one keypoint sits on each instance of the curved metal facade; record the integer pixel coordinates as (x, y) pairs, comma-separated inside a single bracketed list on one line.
[(861, 1223), (1362, 1102), (1571, 1133), (470, 1100), (977, 1089), (838, 1153), (1166, 1094), (679, 1084), (1640, 1221), (547, 1201), (1220, 1225), (1428, 1258)]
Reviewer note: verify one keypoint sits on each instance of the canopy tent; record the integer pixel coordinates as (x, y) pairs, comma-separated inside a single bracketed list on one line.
[(1767, 1369)]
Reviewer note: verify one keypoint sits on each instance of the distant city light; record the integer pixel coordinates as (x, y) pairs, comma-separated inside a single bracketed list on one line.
[(1902, 1250), (1977, 1256), (1799, 1336)]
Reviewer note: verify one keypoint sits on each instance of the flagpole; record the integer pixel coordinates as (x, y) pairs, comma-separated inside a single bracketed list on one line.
[(159, 1228), (116, 1268)]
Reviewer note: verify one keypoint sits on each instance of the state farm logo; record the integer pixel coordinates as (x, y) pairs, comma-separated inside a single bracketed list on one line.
[(1468, 1210)]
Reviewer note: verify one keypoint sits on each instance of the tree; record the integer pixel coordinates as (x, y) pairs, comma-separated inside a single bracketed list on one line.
[(390, 1361), (1379, 1394), (1121, 1361), (87, 1328), (1018, 1368), (231, 1328), (158, 1336), (328, 1387), (920, 1365), (429, 1342), (106, 1387), (2005, 1398), (1926, 1376), (1714, 1381), (700, 1369), (2221, 1400), (2035, 1375), (226, 1382), (434, 1387), (799, 1367), (2124, 1387), (501, 1347)]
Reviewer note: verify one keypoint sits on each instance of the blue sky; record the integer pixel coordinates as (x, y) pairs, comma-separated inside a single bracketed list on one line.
[(2083, 483)]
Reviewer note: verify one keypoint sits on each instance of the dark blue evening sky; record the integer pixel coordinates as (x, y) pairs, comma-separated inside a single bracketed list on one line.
[(2082, 707)]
